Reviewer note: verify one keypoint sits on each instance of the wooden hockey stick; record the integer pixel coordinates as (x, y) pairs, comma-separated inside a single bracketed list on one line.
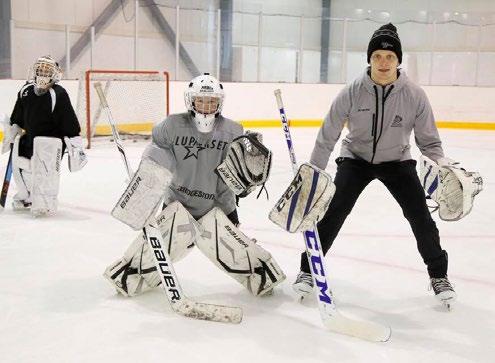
[(179, 302), (331, 317)]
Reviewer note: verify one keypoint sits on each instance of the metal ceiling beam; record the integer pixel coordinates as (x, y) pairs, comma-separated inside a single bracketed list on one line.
[(169, 34), (105, 17)]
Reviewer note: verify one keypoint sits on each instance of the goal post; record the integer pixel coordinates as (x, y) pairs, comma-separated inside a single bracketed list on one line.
[(139, 99)]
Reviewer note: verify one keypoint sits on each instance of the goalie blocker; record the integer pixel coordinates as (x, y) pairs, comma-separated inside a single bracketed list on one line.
[(215, 236), (451, 187), (305, 201), (143, 194)]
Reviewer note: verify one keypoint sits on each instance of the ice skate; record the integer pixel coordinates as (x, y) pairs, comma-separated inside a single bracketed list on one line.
[(39, 212), (444, 291), (21, 205), (303, 286)]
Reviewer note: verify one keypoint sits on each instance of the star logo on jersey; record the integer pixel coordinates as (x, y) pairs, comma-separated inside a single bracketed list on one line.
[(193, 151)]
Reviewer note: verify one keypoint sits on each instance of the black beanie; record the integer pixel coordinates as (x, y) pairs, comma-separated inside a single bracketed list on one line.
[(385, 38)]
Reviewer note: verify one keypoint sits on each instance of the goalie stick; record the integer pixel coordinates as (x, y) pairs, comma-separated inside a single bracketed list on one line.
[(179, 302), (331, 317), (6, 181)]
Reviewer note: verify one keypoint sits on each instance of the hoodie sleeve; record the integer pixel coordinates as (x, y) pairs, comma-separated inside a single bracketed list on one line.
[(331, 129), (425, 130)]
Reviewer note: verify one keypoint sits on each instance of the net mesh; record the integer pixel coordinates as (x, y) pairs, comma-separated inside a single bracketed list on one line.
[(137, 100)]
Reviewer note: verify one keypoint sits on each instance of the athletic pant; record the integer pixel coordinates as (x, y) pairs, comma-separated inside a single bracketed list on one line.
[(402, 181)]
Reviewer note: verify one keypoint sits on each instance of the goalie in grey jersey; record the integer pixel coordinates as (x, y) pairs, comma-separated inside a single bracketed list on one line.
[(179, 168)]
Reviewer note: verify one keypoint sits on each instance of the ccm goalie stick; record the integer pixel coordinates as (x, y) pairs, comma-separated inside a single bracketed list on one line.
[(331, 317), (179, 302)]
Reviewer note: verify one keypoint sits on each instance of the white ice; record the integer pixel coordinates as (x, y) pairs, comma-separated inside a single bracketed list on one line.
[(55, 306)]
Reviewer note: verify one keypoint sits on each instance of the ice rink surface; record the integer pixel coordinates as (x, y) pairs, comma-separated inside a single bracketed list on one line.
[(55, 306)]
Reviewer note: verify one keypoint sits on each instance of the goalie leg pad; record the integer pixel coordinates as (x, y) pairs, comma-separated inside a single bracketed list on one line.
[(452, 188), (236, 254), (45, 167), (21, 170), (135, 273), (305, 201), (143, 194)]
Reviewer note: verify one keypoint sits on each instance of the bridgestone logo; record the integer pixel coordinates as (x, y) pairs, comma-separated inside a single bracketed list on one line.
[(164, 270), (131, 191)]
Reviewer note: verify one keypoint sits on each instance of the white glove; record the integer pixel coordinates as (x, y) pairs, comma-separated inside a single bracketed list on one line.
[(77, 157), (9, 134)]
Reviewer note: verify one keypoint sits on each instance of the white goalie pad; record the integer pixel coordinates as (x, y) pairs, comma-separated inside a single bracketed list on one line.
[(451, 187), (236, 254), (77, 157), (143, 194), (45, 170), (305, 201), (247, 164), (136, 273), (21, 171)]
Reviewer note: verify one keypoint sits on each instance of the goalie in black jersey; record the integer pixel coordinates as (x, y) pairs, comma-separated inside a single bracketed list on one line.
[(198, 162), (42, 125)]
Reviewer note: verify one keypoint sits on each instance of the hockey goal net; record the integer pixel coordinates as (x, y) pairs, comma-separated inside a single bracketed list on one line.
[(137, 99)]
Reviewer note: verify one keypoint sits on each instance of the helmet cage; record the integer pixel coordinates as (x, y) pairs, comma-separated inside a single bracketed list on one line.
[(45, 72), (204, 88)]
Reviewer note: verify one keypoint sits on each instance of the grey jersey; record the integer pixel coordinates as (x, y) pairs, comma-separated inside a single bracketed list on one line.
[(193, 157), (380, 120)]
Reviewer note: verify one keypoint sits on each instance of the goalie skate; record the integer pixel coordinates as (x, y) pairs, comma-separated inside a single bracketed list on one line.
[(303, 286), (444, 291)]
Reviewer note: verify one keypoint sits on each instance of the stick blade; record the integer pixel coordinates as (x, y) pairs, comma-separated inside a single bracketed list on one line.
[(365, 330), (209, 312)]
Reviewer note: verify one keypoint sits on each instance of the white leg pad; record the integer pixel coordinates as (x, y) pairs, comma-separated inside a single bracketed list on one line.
[(135, 273), (236, 254), (21, 171), (45, 168)]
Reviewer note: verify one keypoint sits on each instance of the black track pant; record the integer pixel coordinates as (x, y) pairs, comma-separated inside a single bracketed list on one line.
[(402, 181)]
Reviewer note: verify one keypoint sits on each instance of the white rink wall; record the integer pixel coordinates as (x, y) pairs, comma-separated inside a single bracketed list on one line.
[(255, 101)]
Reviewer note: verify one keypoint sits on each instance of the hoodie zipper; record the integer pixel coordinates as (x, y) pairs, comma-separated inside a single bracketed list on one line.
[(376, 137)]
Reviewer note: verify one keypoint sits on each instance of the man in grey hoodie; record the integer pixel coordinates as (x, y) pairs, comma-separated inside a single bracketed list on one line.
[(381, 109)]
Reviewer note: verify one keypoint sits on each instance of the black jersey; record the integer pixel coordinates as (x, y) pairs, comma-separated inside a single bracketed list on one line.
[(50, 114)]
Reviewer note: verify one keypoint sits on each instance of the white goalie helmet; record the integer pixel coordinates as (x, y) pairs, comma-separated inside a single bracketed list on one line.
[(204, 99), (45, 72)]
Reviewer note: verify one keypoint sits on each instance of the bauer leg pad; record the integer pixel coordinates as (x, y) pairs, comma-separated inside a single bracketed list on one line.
[(21, 171), (45, 166), (135, 273), (236, 254)]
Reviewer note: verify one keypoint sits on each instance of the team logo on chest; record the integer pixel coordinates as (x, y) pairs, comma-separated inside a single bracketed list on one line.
[(397, 121), (194, 146)]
